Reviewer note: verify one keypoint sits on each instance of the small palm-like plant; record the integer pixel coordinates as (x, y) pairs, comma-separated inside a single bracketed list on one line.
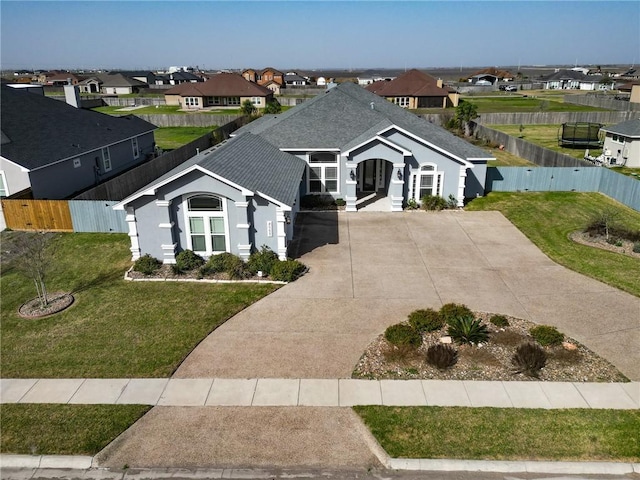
[(467, 329), (529, 359), (442, 356)]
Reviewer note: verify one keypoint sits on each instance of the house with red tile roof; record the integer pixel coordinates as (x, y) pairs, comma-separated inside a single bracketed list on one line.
[(415, 89), (224, 90)]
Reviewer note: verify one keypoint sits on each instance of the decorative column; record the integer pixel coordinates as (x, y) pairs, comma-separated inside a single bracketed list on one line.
[(396, 187), (281, 233), (351, 182), (165, 232), (461, 183), (243, 228), (130, 218)]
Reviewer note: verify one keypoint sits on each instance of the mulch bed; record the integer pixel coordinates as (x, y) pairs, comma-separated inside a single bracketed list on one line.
[(624, 247), (570, 362), (58, 301), (165, 272)]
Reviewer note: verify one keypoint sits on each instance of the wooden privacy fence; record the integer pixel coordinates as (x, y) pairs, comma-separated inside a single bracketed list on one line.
[(50, 215), (64, 216)]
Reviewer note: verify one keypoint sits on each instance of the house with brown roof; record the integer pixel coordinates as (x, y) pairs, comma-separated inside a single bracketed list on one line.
[(264, 77), (415, 89), (499, 75), (224, 90), (58, 78)]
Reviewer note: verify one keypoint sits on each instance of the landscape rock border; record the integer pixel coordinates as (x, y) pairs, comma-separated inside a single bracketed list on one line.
[(58, 302)]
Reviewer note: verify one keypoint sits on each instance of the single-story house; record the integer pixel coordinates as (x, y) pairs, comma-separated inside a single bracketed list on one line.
[(494, 75), (575, 80), (51, 150), (224, 90), (118, 84), (294, 79), (90, 85), (622, 143), (415, 89), (233, 197), (346, 143)]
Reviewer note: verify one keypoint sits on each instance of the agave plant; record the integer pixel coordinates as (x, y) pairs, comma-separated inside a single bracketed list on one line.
[(467, 329)]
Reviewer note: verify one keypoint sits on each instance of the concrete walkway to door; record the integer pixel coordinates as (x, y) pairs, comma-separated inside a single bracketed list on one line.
[(369, 270)]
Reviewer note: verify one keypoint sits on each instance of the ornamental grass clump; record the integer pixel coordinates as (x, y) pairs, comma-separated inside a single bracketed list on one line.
[(499, 321), (403, 334), (442, 356), (546, 335), (426, 320), (449, 311), (529, 359), (468, 330)]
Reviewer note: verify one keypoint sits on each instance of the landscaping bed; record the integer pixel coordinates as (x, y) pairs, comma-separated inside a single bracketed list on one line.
[(567, 361)]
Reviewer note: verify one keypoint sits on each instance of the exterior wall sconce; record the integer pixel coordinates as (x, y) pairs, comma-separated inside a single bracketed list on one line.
[(287, 219), (399, 174), (352, 175)]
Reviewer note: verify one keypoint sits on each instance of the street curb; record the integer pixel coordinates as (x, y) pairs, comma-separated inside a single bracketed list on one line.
[(79, 462)]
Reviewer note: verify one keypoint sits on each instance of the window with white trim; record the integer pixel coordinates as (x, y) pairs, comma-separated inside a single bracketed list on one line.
[(206, 221), (191, 101), (3, 186), (323, 172), (106, 159), (134, 147), (426, 181), (233, 100), (401, 101), (256, 100)]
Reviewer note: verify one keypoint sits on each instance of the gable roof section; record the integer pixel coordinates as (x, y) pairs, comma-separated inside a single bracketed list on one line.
[(565, 75), (343, 117), (119, 80), (43, 131), (220, 85), (413, 83), (495, 72), (247, 162), (630, 128)]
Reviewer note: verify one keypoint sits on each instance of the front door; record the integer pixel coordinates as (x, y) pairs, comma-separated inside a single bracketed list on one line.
[(369, 176)]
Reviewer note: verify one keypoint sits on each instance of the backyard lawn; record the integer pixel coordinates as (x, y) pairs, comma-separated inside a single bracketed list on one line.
[(520, 103), (505, 434), (115, 328), (545, 136), (548, 218), (170, 138)]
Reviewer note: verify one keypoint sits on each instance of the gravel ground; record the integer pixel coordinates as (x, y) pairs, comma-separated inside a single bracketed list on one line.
[(625, 247), (570, 362)]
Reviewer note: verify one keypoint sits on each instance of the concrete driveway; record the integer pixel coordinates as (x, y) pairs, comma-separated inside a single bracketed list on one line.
[(369, 270)]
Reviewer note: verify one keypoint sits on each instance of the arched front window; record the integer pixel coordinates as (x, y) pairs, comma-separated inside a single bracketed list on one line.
[(426, 181), (207, 230)]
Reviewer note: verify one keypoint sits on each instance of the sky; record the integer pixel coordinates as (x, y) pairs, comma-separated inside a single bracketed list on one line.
[(316, 34)]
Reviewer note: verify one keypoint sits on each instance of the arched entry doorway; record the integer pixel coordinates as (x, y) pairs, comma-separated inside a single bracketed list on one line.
[(373, 176)]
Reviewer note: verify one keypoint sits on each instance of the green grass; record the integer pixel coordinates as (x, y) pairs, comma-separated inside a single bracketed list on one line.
[(149, 110), (548, 218), (64, 429), (545, 136), (505, 434), (630, 172), (115, 328), (518, 103), (170, 138)]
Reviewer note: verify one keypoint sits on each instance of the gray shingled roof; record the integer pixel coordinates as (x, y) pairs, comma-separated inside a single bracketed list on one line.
[(630, 128), (340, 116), (42, 131), (248, 161)]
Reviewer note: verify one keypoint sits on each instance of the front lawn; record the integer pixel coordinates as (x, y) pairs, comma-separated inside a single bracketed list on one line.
[(37, 429), (505, 434), (547, 218), (115, 328), (170, 138)]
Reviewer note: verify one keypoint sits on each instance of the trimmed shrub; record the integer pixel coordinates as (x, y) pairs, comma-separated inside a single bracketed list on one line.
[(499, 321), (426, 320), (433, 202), (226, 262), (529, 359), (187, 260), (449, 311), (340, 202), (546, 335), (412, 204), (636, 247), (442, 356), (287, 270), (146, 264), (262, 260), (467, 329), (403, 334)]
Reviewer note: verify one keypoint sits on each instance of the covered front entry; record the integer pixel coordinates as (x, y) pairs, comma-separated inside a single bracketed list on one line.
[(372, 176)]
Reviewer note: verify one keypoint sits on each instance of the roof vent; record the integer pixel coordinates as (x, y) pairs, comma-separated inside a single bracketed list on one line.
[(373, 106)]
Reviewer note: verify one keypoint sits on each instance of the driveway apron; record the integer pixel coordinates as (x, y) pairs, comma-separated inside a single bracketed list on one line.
[(370, 270)]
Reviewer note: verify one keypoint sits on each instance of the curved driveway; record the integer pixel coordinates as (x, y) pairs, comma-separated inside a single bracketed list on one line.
[(369, 270)]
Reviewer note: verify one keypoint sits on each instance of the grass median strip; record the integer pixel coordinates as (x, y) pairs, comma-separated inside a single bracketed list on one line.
[(64, 429), (547, 218), (505, 434)]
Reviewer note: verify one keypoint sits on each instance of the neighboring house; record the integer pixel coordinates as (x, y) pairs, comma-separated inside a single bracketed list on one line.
[(483, 79), (118, 84), (234, 197), (415, 89), (574, 80), (346, 143), (622, 143), (143, 76), (177, 78), (224, 90), (264, 77), (494, 73), (55, 150), (58, 79), (294, 79), (90, 85)]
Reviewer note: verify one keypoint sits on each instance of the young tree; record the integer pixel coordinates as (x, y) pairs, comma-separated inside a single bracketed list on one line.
[(273, 107), (465, 113), (248, 108), (32, 254)]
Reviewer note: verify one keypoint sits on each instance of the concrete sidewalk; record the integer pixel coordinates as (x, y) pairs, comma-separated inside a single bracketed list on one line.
[(273, 392)]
